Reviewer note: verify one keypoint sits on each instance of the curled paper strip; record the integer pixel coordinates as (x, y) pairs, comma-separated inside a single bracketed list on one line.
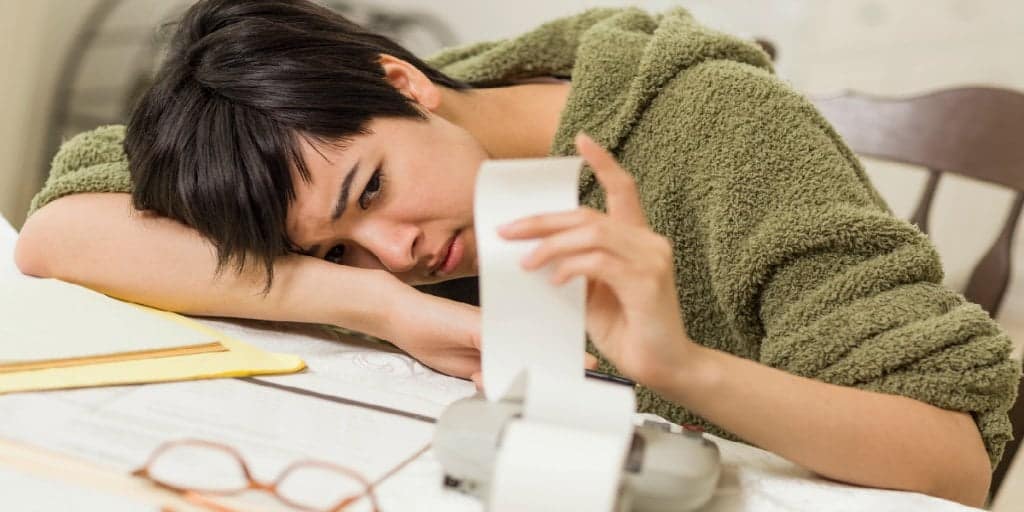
[(582, 404), (552, 467), (526, 323), (568, 450)]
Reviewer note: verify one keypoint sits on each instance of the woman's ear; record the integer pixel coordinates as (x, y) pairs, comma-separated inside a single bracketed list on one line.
[(411, 82)]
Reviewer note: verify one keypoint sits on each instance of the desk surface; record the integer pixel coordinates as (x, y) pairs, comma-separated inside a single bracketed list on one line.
[(359, 405)]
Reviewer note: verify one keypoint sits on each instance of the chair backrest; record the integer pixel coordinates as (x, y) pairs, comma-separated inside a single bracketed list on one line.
[(977, 132)]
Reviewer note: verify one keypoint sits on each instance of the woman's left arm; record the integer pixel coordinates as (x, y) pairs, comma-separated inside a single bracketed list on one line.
[(843, 433), (633, 317)]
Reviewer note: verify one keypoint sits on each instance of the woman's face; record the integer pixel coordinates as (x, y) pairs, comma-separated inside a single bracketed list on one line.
[(399, 198)]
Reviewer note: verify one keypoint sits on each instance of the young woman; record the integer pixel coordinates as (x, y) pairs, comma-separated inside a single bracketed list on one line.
[(743, 269)]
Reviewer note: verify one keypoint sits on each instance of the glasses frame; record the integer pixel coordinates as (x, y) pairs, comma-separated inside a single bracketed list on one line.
[(254, 484)]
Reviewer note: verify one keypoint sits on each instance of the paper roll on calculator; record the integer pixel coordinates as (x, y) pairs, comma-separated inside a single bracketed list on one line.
[(546, 438)]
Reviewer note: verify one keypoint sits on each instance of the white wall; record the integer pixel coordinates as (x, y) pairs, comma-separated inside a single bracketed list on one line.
[(33, 38), (20, 47)]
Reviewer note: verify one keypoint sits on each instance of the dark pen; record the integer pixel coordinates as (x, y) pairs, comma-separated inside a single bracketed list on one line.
[(607, 377)]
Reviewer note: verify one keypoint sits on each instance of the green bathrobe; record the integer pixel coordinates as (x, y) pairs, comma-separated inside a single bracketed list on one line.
[(784, 252)]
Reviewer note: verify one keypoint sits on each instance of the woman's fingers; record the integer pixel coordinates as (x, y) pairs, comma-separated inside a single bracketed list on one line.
[(596, 266), (620, 188), (604, 235), (537, 226)]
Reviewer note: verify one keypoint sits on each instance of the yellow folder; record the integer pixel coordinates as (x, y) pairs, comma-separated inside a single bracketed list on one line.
[(238, 360)]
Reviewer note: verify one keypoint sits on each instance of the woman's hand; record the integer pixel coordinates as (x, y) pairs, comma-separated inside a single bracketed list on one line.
[(633, 312), (441, 333)]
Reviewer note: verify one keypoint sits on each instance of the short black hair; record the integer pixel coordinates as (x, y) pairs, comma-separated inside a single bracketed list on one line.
[(213, 141)]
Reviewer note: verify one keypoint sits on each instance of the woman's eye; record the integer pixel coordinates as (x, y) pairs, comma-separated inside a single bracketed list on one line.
[(371, 191), (335, 254)]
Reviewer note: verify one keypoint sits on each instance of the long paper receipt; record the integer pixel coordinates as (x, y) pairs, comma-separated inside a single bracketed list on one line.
[(526, 323), (568, 449)]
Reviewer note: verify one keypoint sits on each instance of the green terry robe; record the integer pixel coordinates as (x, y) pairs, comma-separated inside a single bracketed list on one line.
[(784, 252)]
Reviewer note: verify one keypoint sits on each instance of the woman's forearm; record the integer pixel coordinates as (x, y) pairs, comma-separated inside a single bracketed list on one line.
[(100, 241), (846, 434), (633, 318)]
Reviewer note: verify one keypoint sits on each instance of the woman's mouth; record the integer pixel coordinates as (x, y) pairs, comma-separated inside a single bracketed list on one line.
[(453, 255)]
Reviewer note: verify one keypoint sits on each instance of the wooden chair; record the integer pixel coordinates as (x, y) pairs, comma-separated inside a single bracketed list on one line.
[(977, 132)]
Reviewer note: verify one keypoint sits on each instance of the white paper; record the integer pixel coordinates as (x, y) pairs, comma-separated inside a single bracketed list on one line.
[(525, 322), (550, 467), (75, 422), (350, 367), (120, 427), (567, 451), (91, 424), (23, 491), (582, 404), (44, 319)]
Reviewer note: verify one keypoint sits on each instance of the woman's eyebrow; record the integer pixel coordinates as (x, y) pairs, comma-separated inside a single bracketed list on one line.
[(346, 184), (339, 207)]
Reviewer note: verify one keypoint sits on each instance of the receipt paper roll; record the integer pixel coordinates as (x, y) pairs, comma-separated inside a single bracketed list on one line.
[(581, 404), (526, 322), (543, 467)]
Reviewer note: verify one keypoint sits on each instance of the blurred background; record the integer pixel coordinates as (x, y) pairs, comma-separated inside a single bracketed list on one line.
[(71, 65)]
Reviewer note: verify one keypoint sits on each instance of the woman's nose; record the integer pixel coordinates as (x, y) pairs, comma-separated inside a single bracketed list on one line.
[(395, 247)]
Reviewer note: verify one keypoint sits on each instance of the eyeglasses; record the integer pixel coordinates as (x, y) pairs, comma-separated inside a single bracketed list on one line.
[(194, 468)]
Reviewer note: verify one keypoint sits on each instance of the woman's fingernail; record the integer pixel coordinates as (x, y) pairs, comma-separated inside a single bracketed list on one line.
[(507, 229)]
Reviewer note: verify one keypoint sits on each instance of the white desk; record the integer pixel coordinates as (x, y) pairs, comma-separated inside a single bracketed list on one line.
[(357, 405)]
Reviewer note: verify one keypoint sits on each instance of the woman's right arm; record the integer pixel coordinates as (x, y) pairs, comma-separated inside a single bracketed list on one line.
[(100, 241)]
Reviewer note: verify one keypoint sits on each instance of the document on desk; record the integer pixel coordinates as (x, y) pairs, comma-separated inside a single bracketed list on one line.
[(120, 427), (350, 367), (49, 323), (23, 491)]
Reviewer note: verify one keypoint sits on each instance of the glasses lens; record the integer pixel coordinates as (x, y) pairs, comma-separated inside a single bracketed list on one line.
[(200, 468), (318, 487)]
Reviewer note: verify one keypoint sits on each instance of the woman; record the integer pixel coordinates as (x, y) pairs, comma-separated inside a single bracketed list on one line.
[(767, 293)]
